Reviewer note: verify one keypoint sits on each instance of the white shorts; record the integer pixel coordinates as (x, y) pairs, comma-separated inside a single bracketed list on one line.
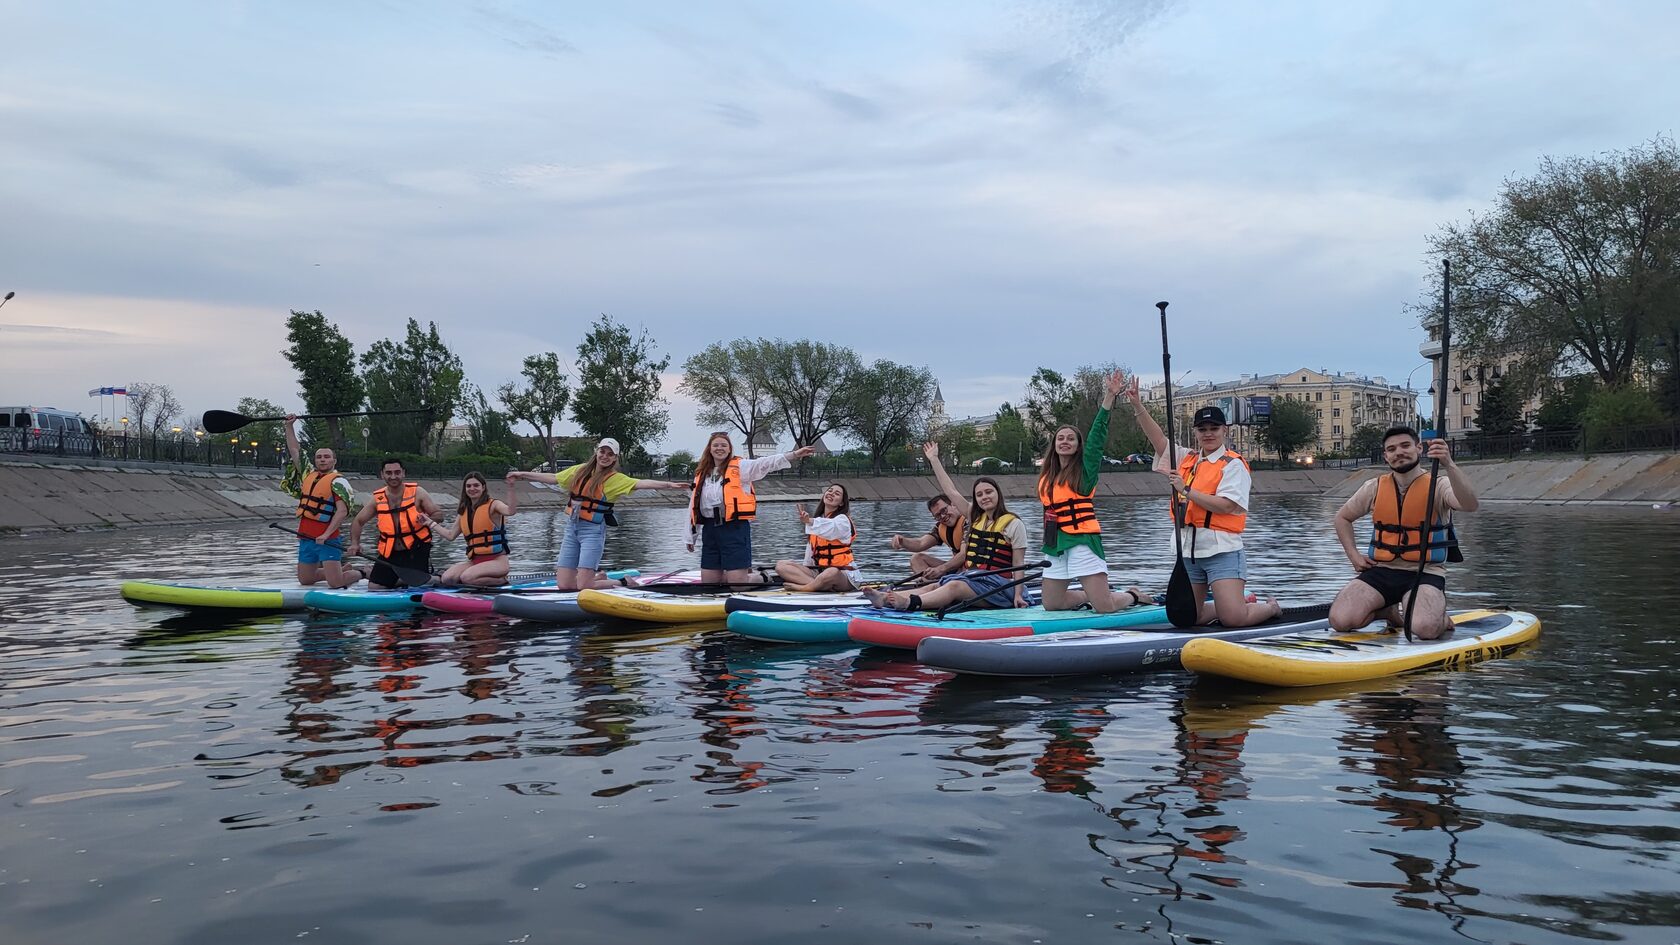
[(1079, 561)]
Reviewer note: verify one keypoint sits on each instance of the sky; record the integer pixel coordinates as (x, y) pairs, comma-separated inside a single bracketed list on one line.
[(981, 188)]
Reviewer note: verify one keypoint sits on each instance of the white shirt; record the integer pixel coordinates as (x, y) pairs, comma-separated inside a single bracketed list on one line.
[(1234, 484), (711, 488)]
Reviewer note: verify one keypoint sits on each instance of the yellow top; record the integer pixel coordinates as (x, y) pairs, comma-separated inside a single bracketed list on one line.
[(617, 486)]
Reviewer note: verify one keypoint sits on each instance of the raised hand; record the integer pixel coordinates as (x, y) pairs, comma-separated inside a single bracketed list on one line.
[(1115, 383), (802, 452), (930, 449)]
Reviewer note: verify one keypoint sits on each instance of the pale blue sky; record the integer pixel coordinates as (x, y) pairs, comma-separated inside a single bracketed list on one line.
[(980, 187)]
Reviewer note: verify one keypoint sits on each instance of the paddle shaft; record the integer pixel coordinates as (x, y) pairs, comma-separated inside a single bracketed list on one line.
[(1182, 609), (408, 574), (1425, 539), (226, 420), (963, 605)]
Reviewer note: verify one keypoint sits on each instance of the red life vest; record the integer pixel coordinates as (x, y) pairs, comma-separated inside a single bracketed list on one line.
[(316, 502)]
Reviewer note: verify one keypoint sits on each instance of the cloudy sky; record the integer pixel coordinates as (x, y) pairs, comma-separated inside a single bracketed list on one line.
[(979, 187)]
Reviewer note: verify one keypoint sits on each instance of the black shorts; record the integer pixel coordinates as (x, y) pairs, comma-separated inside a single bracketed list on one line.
[(417, 558), (1394, 584)]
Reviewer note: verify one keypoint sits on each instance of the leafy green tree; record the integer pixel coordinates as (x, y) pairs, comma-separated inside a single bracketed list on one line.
[(1366, 441), (419, 372), (886, 405), (1010, 438), (1048, 404), (679, 464), (1613, 410), (806, 380), (541, 402), (962, 443), (269, 432), (1294, 425), (325, 363), (1576, 263), (1562, 406), (731, 395), (618, 392), (489, 432), (1501, 410)]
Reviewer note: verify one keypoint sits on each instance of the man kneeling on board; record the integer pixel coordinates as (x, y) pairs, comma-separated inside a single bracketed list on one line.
[(1389, 566), (404, 542)]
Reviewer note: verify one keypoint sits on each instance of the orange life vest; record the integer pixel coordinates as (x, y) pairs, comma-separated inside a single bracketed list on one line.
[(484, 535), (739, 505), (588, 505), (316, 500), (988, 547), (829, 553), (1204, 475), (949, 537), (1067, 510), (399, 525), (1397, 524)]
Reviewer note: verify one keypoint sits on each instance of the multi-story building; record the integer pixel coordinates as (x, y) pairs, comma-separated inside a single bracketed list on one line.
[(1340, 402)]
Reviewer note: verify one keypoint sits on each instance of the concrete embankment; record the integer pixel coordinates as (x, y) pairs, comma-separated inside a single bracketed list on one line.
[(40, 496)]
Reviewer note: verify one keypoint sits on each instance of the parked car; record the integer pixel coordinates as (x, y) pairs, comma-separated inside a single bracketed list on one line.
[(1129, 458), (1001, 463), (45, 430)]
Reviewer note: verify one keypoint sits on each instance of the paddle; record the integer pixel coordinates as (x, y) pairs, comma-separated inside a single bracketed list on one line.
[(225, 421), (414, 577), (963, 605), (1182, 610), (1425, 538)]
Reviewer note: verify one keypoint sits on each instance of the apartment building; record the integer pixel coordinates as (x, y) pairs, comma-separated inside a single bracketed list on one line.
[(1341, 402)]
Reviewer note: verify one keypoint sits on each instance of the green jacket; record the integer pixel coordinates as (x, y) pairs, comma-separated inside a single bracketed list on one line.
[(1057, 542)]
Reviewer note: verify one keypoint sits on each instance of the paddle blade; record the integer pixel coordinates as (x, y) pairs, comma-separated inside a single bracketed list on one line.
[(1181, 600), (223, 421)]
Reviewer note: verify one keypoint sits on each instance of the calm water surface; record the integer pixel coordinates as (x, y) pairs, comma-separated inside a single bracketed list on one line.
[(164, 779)]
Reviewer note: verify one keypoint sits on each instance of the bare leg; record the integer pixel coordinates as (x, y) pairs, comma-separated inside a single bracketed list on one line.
[(922, 561), (1429, 614), (1097, 593), (338, 575), (947, 593), (309, 574), (713, 576), (1356, 606), (742, 576), (795, 576), (832, 579), (487, 573), (1230, 604), (453, 574), (1054, 595), (566, 579)]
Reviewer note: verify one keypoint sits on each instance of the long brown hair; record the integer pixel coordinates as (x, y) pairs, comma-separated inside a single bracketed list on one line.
[(1052, 469), (974, 511), (586, 475), (466, 505), (845, 507), (706, 465)]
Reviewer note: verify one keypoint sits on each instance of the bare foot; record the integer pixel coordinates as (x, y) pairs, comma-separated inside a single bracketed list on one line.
[(875, 598), (1138, 597)]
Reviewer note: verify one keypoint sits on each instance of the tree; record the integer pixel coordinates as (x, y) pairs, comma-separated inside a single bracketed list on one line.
[(152, 406), (1501, 410), (1575, 263), (1366, 441), (618, 393), (269, 431), (1612, 410), (419, 372), (728, 392), (886, 405), (326, 366), (1293, 426), (488, 431), (1010, 439), (542, 401), (1048, 404), (680, 463), (1562, 406), (806, 380)]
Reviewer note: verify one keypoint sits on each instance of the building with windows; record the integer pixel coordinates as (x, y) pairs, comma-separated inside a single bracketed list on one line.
[(1340, 401)]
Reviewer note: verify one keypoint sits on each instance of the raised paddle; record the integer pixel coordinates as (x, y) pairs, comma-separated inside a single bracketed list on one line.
[(1425, 539), (226, 421), (1182, 610)]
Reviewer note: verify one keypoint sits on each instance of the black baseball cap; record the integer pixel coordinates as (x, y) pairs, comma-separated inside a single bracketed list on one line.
[(1208, 415)]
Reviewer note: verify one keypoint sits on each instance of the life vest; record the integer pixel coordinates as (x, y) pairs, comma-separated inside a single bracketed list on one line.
[(739, 505), (1397, 524), (399, 526), (989, 548), (1067, 510), (1203, 475), (588, 505), (316, 500), (829, 553), (483, 534), (948, 537)]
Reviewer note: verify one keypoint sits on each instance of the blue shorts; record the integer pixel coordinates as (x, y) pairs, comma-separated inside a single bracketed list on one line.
[(1220, 567), (581, 548), (985, 586), (726, 547), (311, 553)]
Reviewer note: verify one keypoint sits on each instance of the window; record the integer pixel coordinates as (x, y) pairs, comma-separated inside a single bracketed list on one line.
[(1496, 372), (56, 423), (1318, 395), (1335, 411), (1464, 399), (1335, 395), (1337, 446), (1464, 423), (1321, 413), (1337, 430), (5, 420)]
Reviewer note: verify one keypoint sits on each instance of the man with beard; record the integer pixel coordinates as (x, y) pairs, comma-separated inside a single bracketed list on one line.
[(1398, 506), (404, 543)]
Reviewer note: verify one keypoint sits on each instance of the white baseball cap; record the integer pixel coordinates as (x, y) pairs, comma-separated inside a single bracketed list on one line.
[(611, 444)]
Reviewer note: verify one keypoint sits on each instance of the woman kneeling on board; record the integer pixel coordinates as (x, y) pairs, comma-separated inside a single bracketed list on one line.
[(828, 564), (593, 487), (482, 521), (1072, 537)]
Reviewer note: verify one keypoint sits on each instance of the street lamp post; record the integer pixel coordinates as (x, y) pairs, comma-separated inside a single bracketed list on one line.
[(125, 437), (8, 298)]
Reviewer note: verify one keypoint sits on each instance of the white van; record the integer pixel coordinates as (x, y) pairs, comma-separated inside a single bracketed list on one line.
[(45, 430)]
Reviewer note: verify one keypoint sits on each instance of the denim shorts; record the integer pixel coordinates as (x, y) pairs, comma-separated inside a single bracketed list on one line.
[(581, 548), (726, 547), (1226, 565), (311, 553)]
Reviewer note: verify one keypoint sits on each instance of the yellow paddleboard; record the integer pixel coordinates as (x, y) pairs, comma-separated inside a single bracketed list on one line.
[(197, 596), (1318, 657)]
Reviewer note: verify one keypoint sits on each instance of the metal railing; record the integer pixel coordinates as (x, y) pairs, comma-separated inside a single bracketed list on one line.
[(1583, 441)]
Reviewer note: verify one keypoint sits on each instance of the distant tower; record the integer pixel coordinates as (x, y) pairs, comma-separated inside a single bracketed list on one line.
[(937, 420)]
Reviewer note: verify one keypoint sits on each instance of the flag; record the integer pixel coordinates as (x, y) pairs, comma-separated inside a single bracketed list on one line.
[(117, 391), (96, 392)]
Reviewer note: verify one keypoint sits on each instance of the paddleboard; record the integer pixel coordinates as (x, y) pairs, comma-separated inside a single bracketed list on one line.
[(823, 625), (1314, 659), (906, 630), (211, 597), (1147, 647), (353, 600), (557, 606), (651, 606)]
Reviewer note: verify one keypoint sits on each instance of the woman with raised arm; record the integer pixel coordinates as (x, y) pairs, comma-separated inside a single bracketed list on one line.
[(721, 512), (828, 563), (482, 521)]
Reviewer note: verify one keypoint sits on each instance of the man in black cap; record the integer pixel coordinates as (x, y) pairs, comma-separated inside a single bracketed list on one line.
[(1210, 507)]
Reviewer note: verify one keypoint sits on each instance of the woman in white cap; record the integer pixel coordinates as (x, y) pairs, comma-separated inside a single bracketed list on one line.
[(593, 487)]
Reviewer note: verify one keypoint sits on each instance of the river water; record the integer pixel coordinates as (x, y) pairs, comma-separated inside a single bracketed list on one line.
[(434, 780)]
